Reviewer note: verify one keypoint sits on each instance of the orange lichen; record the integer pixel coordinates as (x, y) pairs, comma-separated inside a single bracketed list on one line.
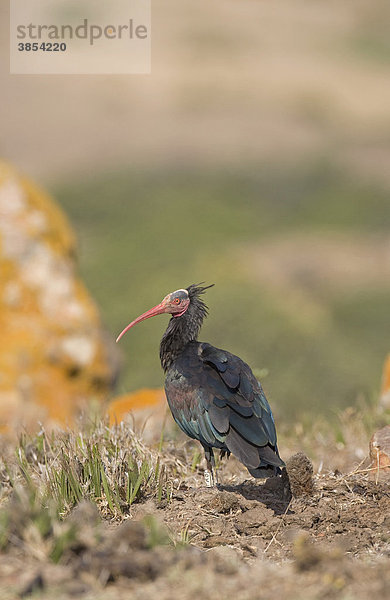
[(141, 399), (386, 377), (52, 357)]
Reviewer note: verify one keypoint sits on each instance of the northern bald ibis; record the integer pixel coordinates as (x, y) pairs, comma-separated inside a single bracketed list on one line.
[(213, 395)]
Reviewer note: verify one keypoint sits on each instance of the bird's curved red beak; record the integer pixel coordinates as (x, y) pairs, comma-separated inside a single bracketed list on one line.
[(156, 310)]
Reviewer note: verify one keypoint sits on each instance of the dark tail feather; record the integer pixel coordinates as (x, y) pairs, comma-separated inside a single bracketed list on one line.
[(246, 452), (263, 472), (270, 456)]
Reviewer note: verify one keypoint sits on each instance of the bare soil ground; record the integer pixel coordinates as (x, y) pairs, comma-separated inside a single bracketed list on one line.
[(254, 539)]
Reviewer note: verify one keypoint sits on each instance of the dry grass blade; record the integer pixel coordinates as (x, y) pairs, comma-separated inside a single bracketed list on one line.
[(108, 466), (278, 528)]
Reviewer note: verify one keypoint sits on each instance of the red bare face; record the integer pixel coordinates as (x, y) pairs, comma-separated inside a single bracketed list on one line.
[(175, 303)]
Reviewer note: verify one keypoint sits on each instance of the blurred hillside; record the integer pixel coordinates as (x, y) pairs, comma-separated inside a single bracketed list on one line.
[(301, 262), (254, 156), (232, 83)]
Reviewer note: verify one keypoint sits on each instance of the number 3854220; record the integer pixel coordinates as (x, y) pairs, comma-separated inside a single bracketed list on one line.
[(43, 46)]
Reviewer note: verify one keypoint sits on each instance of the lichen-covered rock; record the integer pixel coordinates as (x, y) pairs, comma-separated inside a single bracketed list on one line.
[(385, 393), (380, 452), (52, 358), (145, 408)]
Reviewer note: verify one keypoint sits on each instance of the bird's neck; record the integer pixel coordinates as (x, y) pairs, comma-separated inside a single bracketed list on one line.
[(180, 331)]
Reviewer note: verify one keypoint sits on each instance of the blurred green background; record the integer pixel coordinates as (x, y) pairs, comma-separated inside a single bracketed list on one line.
[(295, 256), (256, 157)]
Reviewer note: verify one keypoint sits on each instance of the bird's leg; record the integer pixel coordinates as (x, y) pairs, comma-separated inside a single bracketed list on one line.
[(224, 452), (214, 469), (208, 478), (210, 475)]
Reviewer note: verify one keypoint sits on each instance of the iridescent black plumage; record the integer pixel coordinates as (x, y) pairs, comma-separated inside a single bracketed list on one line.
[(214, 396)]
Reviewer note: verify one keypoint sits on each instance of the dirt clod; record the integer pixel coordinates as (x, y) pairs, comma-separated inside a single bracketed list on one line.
[(300, 473), (129, 535), (225, 559), (306, 555), (224, 503)]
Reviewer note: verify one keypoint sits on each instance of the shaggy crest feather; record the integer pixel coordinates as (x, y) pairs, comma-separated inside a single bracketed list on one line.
[(185, 328)]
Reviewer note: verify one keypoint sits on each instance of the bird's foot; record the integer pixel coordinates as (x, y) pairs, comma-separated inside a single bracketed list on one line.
[(208, 477)]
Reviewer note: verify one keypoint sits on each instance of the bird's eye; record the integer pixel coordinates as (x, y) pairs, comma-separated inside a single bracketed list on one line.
[(177, 300)]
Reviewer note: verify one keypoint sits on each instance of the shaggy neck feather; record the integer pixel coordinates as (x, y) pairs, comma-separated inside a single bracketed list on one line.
[(181, 331)]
